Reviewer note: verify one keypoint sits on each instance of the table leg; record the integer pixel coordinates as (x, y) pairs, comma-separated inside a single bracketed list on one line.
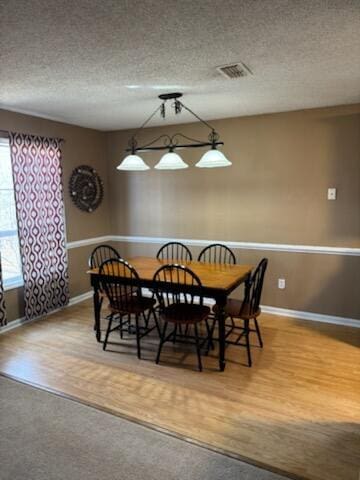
[(97, 308), (220, 316)]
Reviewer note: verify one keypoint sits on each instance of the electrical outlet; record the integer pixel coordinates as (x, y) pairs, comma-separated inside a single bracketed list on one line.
[(281, 283), (331, 194)]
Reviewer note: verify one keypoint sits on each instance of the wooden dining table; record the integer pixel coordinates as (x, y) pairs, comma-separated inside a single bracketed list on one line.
[(218, 281)]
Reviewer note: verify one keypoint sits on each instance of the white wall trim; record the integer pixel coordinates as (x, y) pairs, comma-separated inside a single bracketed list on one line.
[(296, 314), (22, 321), (89, 241), (16, 323), (241, 245), (274, 247), (314, 317), (80, 298), (282, 312), (277, 247)]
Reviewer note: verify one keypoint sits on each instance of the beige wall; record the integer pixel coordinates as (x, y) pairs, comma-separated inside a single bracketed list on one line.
[(82, 146), (325, 284), (275, 192)]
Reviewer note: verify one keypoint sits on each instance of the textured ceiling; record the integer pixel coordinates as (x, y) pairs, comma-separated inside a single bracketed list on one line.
[(101, 64)]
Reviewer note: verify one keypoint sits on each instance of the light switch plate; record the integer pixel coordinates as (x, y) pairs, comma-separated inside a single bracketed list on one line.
[(331, 194), (281, 283)]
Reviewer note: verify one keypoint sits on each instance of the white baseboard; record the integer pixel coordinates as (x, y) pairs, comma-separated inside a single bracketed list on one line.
[(282, 312), (16, 323), (22, 321), (80, 298), (314, 317), (296, 314)]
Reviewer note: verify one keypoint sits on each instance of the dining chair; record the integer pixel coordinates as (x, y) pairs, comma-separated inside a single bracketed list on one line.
[(125, 300), (217, 253), (246, 310), (180, 308), (174, 251), (102, 253), (97, 257)]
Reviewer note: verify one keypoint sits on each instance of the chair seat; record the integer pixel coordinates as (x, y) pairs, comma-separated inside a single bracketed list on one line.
[(234, 306), (185, 313), (135, 305), (128, 291)]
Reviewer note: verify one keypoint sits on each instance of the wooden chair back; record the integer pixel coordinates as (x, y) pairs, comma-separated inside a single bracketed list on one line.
[(217, 253), (170, 286), (102, 253), (174, 251), (122, 295), (254, 288)]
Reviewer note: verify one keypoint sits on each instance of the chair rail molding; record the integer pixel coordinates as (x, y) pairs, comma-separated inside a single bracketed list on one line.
[(244, 245), (275, 247), (89, 241)]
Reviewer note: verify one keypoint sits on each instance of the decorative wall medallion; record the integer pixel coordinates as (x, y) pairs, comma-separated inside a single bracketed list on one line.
[(86, 188)]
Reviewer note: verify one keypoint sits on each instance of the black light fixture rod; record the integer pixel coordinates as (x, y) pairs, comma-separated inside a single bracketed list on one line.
[(170, 142), (175, 147), (175, 96), (135, 132), (197, 116)]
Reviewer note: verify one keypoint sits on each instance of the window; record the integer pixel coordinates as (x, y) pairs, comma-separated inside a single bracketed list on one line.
[(9, 240)]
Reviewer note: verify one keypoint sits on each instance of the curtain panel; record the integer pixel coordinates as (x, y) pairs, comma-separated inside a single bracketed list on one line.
[(2, 300), (36, 165)]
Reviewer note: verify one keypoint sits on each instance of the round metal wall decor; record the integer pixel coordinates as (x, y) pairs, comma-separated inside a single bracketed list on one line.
[(86, 188)]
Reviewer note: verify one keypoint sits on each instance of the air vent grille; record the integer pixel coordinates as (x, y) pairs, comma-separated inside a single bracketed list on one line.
[(234, 70)]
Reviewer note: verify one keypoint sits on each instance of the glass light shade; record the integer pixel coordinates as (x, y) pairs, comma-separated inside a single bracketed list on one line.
[(171, 161), (212, 159), (133, 163)]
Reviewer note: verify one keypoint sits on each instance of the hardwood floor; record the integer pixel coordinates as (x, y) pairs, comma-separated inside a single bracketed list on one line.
[(296, 410)]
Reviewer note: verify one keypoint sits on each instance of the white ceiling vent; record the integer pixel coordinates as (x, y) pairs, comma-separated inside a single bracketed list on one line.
[(234, 70)]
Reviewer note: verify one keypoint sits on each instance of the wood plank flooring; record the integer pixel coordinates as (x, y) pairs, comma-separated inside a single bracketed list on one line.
[(296, 410)]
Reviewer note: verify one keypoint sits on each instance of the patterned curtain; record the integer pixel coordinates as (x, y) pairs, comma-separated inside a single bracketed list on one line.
[(2, 300), (36, 164)]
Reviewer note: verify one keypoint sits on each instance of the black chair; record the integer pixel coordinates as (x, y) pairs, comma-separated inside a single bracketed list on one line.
[(180, 308), (98, 256), (125, 300), (246, 310), (102, 253), (174, 251), (217, 253)]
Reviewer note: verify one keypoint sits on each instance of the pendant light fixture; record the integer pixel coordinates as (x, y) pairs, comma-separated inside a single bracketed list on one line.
[(213, 158), (171, 160), (133, 163)]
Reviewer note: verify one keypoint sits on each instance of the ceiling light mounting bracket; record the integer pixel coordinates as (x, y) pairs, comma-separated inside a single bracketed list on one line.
[(170, 96)]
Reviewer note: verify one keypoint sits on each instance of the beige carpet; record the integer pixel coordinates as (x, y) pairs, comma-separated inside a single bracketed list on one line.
[(47, 437)]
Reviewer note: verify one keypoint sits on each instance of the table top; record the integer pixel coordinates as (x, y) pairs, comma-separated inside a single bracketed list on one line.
[(212, 275)]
